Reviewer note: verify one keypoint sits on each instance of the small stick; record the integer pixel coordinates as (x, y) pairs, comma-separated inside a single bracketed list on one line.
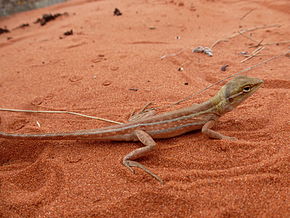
[(245, 31), (258, 45), (246, 14), (257, 49), (61, 112), (172, 55), (257, 28), (248, 37), (186, 62), (254, 53), (38, 124), (271, 43), (258, 55), (217, 42)]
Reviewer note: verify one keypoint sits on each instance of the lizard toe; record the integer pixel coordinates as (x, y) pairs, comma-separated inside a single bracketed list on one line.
[(130, 163)]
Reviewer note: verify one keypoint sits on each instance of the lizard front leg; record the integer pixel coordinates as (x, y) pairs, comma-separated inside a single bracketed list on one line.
[(150, 144), (206, 129)]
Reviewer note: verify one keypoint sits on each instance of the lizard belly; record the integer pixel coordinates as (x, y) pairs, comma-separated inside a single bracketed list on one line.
[(121, 137), (175, 131)]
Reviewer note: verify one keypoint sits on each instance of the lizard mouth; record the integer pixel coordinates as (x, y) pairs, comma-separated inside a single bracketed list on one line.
[(258, 84)]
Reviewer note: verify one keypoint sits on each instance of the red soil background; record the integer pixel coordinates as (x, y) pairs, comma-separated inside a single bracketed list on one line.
[(110, 66)]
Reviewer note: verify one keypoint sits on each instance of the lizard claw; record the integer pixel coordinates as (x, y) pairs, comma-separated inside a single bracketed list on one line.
[(126, 163), (129, 164)]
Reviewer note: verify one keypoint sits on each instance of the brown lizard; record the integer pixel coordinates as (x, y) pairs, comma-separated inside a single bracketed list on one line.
[(148, 127)]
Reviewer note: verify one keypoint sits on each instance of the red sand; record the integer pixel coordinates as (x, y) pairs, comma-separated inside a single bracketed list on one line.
[(93, 70)]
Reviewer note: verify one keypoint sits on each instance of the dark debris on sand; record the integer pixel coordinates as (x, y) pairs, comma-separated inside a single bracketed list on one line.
[(48, 17)]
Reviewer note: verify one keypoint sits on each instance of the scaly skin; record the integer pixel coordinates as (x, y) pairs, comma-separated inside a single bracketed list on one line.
[(170, 124)]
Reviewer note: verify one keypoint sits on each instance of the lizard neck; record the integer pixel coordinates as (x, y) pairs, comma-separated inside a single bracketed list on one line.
[(220, 103)]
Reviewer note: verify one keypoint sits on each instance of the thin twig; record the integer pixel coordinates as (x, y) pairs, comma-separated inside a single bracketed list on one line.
[(246, 14), (258, 55), (258, 45), (185, 63), (271, 43), (248, 37), (257, 49), (172, 55), (254, 53), (217, 42), (245, 31), (256, 28), (61, 112)]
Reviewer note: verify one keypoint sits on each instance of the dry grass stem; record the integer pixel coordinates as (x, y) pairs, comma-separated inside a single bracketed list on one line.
[(61, 112), (254, 53), (246, 14)]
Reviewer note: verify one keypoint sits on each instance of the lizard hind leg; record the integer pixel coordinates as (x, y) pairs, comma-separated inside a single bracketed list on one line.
[(149, 143)]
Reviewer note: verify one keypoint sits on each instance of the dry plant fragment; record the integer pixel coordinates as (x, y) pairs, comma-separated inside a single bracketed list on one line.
[(201, 49), (172, 55), (60, 112), (246, 14), (271, 43), (254, 53), (240, 32)]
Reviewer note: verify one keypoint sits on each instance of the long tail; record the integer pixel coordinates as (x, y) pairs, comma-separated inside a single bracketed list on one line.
[(46, 136)]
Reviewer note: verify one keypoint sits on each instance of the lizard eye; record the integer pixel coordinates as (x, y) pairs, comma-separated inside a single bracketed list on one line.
[(246, 89)]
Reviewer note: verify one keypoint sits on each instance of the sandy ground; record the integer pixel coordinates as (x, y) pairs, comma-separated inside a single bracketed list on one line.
[(112, 65)]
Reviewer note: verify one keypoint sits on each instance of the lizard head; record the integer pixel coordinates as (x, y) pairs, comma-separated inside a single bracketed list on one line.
[(238, 90)]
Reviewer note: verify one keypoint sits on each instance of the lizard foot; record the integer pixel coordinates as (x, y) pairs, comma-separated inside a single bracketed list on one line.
[(130, 163)]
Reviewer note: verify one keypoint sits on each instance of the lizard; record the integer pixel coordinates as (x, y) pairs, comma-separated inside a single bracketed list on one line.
[(145, 127)]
